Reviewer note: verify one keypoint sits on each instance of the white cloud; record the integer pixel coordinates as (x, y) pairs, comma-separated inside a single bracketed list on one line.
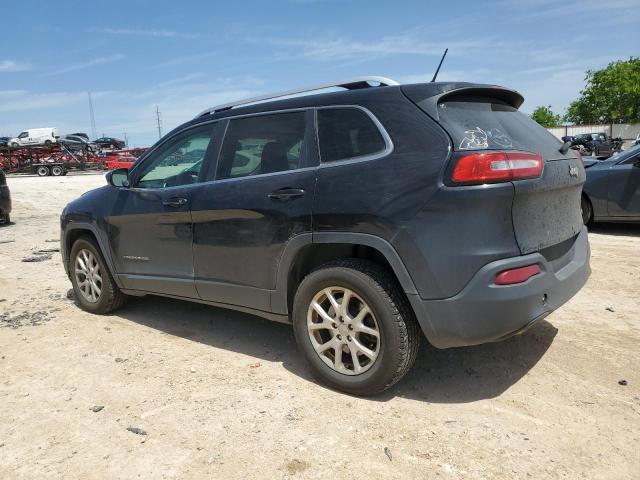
[(13, 66), (117, 112), (342, 48), (141, 32), (88, 64)]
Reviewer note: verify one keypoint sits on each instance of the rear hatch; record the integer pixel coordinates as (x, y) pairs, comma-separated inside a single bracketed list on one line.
[(546, 210)]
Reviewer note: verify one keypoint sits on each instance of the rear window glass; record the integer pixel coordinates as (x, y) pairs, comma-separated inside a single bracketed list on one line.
[(487, 124), (346, 133)]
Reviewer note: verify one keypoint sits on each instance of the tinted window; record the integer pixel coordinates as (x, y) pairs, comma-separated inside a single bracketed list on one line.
[(262, 144), (178, 162), (477, 123), (347, 133)]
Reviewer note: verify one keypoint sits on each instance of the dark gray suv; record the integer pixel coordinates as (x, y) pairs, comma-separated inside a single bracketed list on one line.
[(365, 218)]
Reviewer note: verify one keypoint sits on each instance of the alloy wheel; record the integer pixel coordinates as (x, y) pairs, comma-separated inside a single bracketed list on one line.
[(88, 275), (343, 330)]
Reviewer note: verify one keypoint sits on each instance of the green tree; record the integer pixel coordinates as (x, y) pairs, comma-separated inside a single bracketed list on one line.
[(545, 116), (611, 95)]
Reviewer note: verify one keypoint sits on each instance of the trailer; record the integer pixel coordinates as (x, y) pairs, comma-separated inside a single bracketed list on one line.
[(57, 160)]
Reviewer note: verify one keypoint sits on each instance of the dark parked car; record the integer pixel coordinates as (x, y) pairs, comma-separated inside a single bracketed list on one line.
[(612, 190), (108, 142), (4, 141), (83, 135), (364, 218), (5, 200)]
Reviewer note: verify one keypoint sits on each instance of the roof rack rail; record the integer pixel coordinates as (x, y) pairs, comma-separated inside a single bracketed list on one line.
[(353, 84)]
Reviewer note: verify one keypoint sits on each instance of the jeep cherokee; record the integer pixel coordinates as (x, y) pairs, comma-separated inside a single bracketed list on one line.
[(365, 218)]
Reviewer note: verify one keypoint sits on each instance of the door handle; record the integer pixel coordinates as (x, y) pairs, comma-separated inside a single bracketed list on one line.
[(286, 193), (175, 202)]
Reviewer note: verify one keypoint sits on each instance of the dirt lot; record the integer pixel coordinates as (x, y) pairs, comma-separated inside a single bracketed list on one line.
[(226, 395)]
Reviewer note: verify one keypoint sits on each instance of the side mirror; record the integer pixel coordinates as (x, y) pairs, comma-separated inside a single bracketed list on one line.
[(118, 177)]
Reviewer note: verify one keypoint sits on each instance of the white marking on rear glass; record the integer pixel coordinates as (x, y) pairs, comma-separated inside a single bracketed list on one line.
[(474, 139)]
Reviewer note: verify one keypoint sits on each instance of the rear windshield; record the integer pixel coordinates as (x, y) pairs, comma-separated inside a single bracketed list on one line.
[(476, 123)]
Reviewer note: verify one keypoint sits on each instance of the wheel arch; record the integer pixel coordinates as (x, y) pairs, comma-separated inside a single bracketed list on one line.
[(77, 230), (306, 252)]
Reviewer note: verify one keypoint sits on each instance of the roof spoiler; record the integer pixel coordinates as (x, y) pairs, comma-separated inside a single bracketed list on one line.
[(429, 95)]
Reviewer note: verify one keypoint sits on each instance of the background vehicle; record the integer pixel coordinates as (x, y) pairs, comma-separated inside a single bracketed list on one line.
[(612, 190), (596, 144), (35, 136), (436, 207), (76, 142), (5, 200), (109, 142), (4, 141)]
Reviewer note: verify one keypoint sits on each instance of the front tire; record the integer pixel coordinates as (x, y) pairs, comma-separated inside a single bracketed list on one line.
[(94, 288), (361, 347)]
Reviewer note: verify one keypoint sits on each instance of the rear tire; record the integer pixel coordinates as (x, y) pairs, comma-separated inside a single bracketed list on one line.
[(6, 219), (383, 343), (586, 210), (57, 171), (43, 171), (93, 286)]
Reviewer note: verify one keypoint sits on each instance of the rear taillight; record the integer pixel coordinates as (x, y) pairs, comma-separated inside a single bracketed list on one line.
[(517, 275), (492, 167)]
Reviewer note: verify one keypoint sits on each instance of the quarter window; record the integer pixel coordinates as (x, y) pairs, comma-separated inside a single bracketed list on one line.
[(262, 144), (177, 163), (346, 133)]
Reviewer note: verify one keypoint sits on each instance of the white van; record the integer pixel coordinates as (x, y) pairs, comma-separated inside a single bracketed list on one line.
[(35, 136)]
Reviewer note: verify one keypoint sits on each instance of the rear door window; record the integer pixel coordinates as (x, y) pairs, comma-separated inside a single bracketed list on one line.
[(347, 133), (480, 123), (262, 144)]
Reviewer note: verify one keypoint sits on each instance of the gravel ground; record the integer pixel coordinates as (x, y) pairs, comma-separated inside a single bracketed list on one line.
[(190, 391)]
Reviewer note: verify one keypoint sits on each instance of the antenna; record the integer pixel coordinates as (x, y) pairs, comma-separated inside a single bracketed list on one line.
[(159, 122), (93, 120), (439, 65)]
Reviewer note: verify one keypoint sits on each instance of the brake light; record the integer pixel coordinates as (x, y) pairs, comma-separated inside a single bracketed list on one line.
[(517, 275), (493, 167)]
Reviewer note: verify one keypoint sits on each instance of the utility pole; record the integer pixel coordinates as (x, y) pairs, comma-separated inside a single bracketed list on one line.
[(93, 120), (126, 140), (159, 122)]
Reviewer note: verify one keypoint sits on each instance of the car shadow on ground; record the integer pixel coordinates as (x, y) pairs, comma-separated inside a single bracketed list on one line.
[(457, 375), (618, 229)]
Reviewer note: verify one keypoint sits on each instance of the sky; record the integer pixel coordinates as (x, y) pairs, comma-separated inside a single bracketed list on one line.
[(185, 56)]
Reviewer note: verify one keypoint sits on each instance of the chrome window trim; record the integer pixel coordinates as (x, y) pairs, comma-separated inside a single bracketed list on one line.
[(261, 175), (389, 146)]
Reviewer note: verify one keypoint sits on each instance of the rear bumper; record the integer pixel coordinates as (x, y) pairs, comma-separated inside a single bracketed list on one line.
[(484, 312), (5, 200)]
